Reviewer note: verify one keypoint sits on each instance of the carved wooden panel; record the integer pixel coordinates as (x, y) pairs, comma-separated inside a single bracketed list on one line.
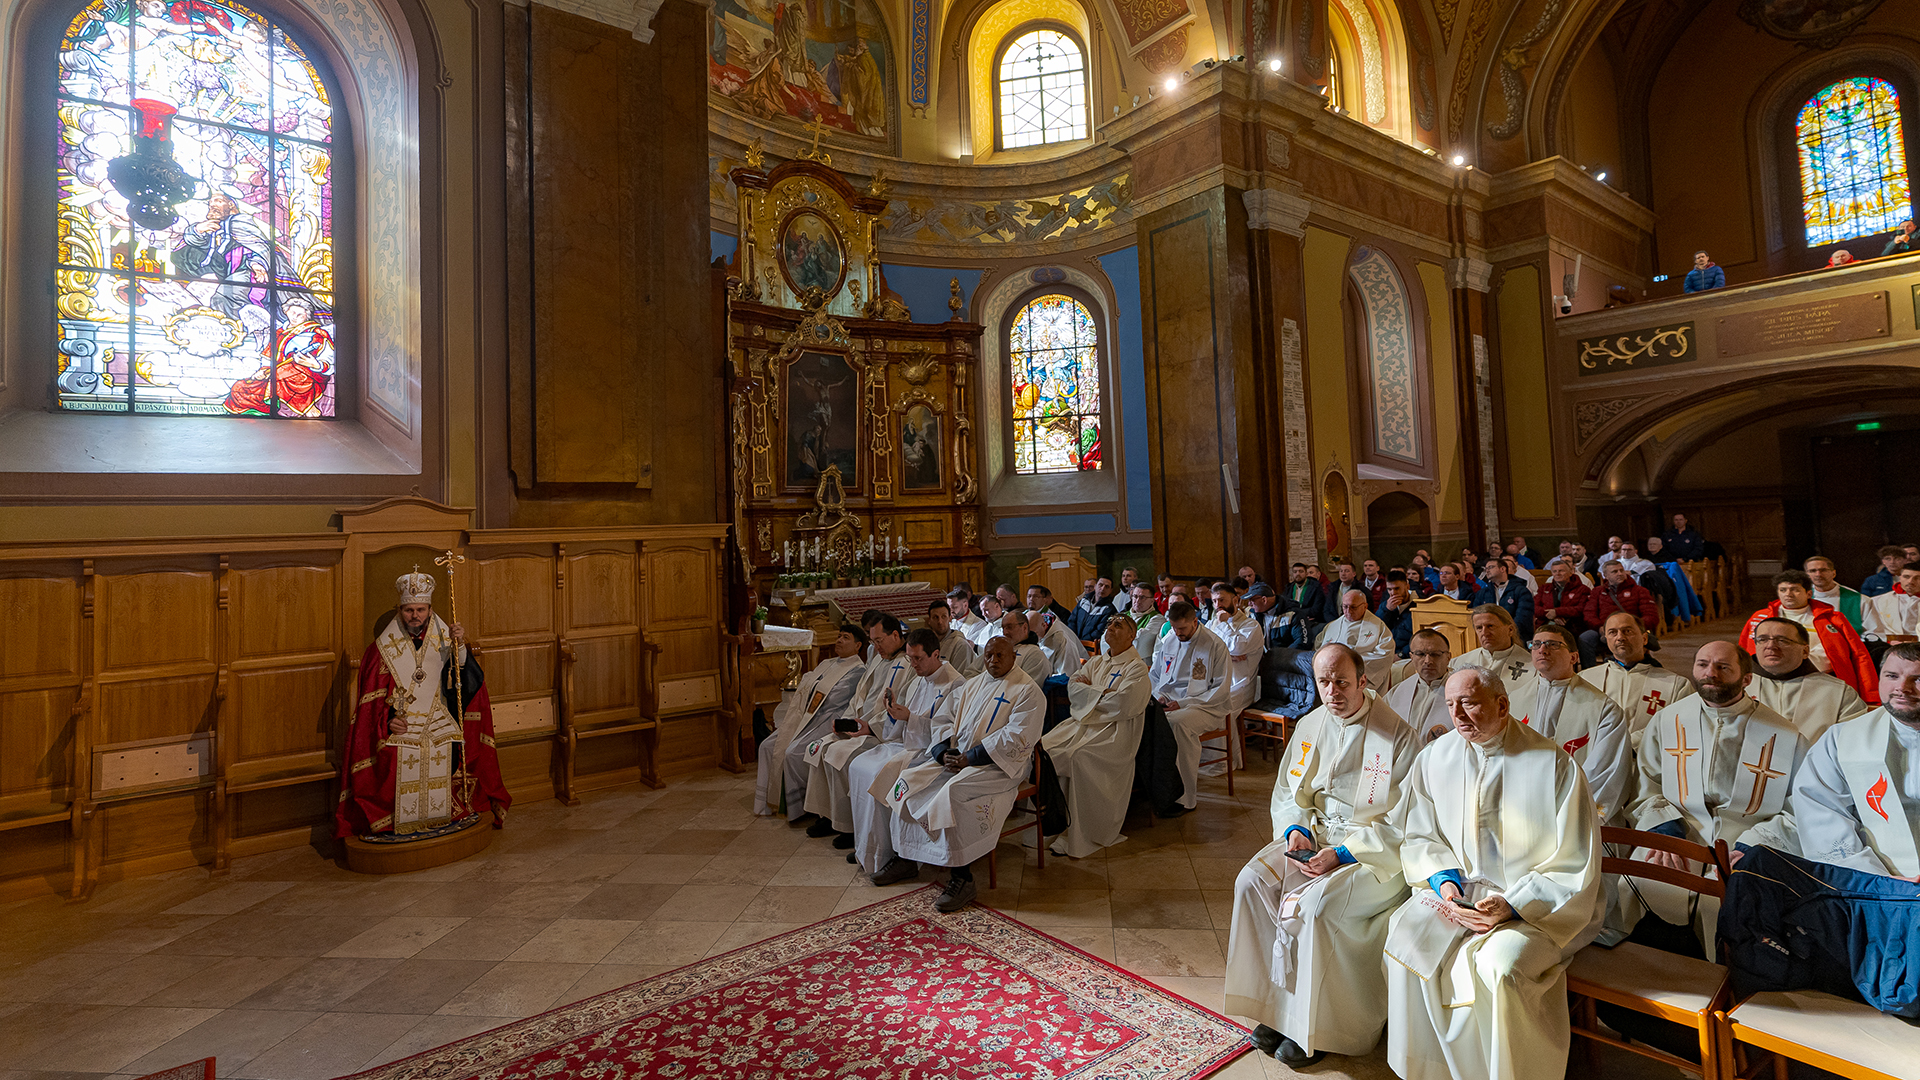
[(42, 626), (154, 827), (137, 709), (35, 741), (518, 670), (600, 589), (605, 675), (274, 809), (284, 609), (926, 531), (156, 618), (512, 594), (283, 710), (680, 585), (685, 651)]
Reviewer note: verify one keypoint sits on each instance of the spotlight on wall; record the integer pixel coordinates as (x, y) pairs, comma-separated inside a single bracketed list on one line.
[(1273, 65), (1601, 176), (1459, 160), (1171, 85)]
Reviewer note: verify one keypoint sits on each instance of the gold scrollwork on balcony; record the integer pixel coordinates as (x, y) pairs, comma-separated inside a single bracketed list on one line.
[(1637, 349)]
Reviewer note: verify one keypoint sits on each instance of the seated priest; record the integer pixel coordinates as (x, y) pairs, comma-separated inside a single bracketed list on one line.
[(965, 618), (1420, 698), (1715, 766), (955, 649), (1895, 616), (992, 617), (1833, 644), (949, 811), (904, 736), (1064, 652), (1363, 632), (1501, 844), (1090, 615), (1234, 625), (1584, 722), (419, 755), (1502, 649), (1017, 627), (1093, 749), (829, 753), (1855, 802), (1785, 681), (1310, 910), (1630, 675), (823, 696), (1146, 617), (1192, 678), (1039, 598)]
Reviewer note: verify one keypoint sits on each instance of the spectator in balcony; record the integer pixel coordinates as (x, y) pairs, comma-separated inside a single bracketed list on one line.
[(1683, 541), (1840, 257), (1903, 242), (1704, 275)]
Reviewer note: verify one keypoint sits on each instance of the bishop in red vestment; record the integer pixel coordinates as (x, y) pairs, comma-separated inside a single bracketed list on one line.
[(410, 766)]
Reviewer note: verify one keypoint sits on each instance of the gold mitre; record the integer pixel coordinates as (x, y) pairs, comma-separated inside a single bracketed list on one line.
[(415, 588)]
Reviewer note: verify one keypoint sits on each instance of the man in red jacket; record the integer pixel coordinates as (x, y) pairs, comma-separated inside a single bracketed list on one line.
[(1835, 646), (1618, 592), (1562, 600)]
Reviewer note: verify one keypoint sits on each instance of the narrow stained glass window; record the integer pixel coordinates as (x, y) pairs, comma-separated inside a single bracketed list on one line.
[(194, 261), (1853, 161), (1043, 90), (1056, 387)]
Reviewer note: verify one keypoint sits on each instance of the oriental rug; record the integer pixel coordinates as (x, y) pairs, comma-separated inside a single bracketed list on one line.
[(889, 992)]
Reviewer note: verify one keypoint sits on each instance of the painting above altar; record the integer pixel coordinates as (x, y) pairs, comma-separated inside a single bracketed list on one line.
[(811, 255), (797, 60)]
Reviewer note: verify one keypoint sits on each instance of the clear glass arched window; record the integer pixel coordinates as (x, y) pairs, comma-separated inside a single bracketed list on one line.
[(1042, 90), (1054, 347), (194, 173), (1853, 161)]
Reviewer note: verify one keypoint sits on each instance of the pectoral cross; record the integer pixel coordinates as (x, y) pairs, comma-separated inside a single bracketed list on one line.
[(1374, 771), (1761, 774), (1681, 752), (1654, 702)]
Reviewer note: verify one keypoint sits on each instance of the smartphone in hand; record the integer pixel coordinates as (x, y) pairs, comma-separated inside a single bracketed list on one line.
[(1301, 855), (846, 724), (1461, 901)]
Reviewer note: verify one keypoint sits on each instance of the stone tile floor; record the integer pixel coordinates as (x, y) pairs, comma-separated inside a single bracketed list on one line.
[(292, 968)]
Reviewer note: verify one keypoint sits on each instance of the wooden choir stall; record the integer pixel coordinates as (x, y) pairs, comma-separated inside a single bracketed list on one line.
[(853, 449), (172, 702)]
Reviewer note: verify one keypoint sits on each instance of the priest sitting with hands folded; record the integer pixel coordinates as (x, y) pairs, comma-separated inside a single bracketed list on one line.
[(1501, 842), (1093, 750), (1310, 910)]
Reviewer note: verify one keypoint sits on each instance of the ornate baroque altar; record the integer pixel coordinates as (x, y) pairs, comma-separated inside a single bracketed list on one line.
[(846, 419)]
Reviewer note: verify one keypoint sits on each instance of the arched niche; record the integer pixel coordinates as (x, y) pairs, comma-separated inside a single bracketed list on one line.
[(1336, 515), (1398, 524)]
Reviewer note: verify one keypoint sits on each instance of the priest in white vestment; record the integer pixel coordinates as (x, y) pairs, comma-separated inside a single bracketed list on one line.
[(904, 734), (1631, 677), (1303, 958), (828, 755), (1501, 650), (965, 619), (1064, 651), (1192, 675), (1363, 632), (991, 625), (1716, 766), (802, 716), (1420, 697), (955, 649), (1246, 644), (1499, 817), (1857, 798), (1017, 627), (950, 810), (1584, 722), (1785, 680), (1093, 749), (1894, 616)]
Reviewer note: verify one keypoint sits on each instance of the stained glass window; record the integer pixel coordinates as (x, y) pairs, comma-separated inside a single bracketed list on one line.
[(1056, 387), (1043, 90), (1853, 161), (194, 265)]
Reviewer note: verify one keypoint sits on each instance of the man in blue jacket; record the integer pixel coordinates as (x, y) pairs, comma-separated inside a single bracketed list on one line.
[(1502, 589), (1704, 275)]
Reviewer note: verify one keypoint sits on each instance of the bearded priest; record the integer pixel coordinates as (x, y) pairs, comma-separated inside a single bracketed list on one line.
[(411, 767), (1501, 842), (1310, 909)]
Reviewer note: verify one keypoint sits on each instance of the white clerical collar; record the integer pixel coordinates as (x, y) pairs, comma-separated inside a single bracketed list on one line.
[(1359, 714), (1123, 654), (1499, 745), (1741, 707), (1568, 681)]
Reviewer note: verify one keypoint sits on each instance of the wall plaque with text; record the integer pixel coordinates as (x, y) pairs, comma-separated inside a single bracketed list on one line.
[(1652, 347), (1823, 322)]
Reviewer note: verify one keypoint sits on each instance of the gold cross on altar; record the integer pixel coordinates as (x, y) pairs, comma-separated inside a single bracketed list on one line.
[(1761, 774), (814, 153), (1681, 752)]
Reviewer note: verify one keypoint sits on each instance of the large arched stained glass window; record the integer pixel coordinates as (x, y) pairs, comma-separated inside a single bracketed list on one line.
[(1853, 161), (195, 184), (1056, 387), (1043, 90)]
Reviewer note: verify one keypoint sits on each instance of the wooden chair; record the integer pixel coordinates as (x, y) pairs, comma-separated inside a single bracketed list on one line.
[(1229, 733), (1696, 571), (1665, 985), (1282, 729), (1452, 619), (1030, 791), (1846, 1038)]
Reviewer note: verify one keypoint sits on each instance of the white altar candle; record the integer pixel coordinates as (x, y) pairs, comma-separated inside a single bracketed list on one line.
[(786, 554), (889, 552)]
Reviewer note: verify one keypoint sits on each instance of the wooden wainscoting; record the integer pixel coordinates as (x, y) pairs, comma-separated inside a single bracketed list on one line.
[(177, 702)]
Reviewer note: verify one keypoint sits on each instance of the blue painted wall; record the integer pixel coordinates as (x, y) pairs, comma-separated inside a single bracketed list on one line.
[(1054, 523), (723, 245), (1129, 359), (926, 290)]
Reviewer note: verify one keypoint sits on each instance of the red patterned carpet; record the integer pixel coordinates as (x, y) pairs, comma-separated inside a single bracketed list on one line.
[(894, 990)]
